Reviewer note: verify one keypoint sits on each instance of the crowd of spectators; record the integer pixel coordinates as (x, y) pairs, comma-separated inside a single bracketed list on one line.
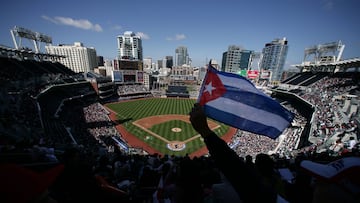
[(286, 145), (252, 144), (133, 91), (332, 126), (106, 134), (97, 168)]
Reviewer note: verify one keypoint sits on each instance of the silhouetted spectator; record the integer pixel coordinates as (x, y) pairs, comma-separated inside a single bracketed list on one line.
[(245, 181)]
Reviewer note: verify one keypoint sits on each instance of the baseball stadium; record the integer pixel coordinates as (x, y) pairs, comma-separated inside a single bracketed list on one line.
[(88, 137)]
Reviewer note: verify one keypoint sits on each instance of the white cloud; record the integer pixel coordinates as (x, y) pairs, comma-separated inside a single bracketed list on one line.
[(180, 37), (49, 19), (116, 27), (143, 35), (78, 23), (177, 37)]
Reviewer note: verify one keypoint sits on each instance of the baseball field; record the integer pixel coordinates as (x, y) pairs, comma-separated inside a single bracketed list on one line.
[(161, 124)]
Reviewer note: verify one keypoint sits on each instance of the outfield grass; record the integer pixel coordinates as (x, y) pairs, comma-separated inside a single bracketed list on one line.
[(130, 111)]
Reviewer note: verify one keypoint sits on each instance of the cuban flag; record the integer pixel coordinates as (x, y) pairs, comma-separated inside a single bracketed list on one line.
[(235, 101)]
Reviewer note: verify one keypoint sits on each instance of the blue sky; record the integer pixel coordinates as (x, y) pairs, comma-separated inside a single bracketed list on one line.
[(205, 27)]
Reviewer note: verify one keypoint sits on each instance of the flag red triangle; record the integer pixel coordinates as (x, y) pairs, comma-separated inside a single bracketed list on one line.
[(212, 88)]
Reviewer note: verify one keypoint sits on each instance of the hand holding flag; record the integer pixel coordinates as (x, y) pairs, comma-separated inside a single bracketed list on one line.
[(234, 100), (199, 121)]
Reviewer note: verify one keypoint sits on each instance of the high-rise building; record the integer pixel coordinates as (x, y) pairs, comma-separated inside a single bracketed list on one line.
[(236, 59), (169, 61), (181, 56), (273, 58), (160, 64), (76, 57), (129, 46), (130, 54), (100, 60)]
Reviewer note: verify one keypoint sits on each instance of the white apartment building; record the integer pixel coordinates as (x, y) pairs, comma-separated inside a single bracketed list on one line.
[(129, 46), (76, 57)]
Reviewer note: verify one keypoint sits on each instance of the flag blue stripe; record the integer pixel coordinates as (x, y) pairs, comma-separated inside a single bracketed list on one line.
[(237, 82), (240, 83), (242, 90), (248, 112), (258, 101), (246, 125)]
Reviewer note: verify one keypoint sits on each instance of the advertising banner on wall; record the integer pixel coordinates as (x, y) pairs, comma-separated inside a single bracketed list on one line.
[(243, 73), (265, 74), (252, 74)]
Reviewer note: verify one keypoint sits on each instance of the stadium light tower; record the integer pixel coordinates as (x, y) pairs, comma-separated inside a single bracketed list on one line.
[(321, 51), (35, 37), (332, 47)]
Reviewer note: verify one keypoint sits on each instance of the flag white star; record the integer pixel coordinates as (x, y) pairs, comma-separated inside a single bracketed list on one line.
[(209, 88)]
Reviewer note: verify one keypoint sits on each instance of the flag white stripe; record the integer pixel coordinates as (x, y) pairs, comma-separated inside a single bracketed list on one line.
[(249, 113), (241, 84)]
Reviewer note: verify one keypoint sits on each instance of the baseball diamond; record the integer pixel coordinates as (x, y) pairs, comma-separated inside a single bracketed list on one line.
[(161, 125)]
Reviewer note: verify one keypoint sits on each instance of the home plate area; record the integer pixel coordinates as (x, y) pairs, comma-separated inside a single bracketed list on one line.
[(176, 145)]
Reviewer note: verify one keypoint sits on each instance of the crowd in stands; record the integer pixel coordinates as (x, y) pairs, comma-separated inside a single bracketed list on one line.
[(98, 168), (107, 133), (250, 144), (133, 91), (19, 117), (332, 125), (118, 177)]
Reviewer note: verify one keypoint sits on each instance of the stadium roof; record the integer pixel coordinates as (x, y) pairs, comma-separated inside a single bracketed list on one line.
[(12, 52), (336, 66)]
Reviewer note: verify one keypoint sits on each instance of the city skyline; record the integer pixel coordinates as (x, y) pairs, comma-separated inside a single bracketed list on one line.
[(206, 28)]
